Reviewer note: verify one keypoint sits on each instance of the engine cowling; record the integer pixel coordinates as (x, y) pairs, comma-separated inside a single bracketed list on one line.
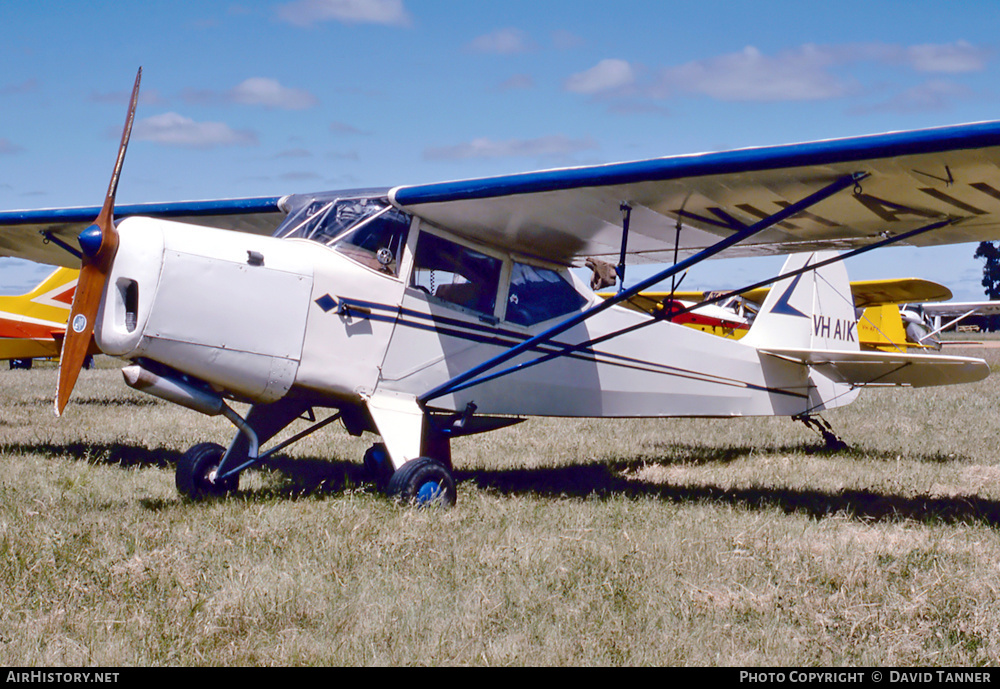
[(227, 308)]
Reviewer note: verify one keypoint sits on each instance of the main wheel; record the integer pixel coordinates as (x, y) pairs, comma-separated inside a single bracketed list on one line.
[(196, 470), (378, 465), (424, 481)]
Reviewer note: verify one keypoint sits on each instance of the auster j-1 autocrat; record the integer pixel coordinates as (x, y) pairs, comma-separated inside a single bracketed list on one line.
[(425, 313)]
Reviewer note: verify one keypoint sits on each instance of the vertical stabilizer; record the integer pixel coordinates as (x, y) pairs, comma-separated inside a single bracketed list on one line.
[(809, 310)]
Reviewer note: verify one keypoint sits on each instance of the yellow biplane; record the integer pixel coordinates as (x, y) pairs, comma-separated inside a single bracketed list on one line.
[(881, 325)]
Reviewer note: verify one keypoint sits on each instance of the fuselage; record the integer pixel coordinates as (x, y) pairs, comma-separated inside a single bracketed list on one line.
[(353, 298)]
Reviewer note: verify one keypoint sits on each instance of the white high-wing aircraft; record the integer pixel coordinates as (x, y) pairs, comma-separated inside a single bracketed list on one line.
[(925, 321), (424, 313)]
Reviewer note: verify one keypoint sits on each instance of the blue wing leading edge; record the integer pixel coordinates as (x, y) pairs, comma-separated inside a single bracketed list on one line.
[(911, 178)]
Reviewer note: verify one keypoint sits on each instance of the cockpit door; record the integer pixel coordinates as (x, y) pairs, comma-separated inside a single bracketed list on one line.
[(356, 298), (448, 313)]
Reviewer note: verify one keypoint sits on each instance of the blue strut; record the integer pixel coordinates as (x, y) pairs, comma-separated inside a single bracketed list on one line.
[(466, 379)]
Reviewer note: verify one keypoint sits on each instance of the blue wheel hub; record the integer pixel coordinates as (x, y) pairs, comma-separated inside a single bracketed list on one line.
[(429, 492)]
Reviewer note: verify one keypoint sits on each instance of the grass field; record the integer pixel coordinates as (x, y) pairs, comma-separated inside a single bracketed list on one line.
[(678, 542)]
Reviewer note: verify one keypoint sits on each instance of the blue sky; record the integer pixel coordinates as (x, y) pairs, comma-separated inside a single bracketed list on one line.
[(271, 97)]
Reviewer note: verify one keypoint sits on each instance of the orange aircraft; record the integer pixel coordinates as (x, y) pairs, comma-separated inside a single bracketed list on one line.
[(32, 325)]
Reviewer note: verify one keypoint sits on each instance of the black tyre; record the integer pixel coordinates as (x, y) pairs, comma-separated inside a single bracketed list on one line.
[(195, 477), (424, 481), (378, 465)]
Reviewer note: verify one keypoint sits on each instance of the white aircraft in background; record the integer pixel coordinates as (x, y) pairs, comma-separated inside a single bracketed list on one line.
[(925, 321), (424, 313)]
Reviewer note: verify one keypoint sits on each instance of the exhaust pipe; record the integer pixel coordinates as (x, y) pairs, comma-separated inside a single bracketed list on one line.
[(172, 390), (186, 395)]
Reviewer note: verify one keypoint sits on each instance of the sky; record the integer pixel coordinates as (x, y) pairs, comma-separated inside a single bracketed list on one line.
[(269, 97)]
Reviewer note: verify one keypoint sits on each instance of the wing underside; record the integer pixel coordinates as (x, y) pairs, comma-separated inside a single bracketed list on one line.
[(43, 235), (954, 309), (913, 179)]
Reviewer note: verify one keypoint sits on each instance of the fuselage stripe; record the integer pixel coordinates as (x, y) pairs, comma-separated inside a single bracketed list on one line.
[(482, 334)]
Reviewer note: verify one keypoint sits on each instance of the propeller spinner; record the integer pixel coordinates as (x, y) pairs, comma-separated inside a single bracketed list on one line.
[(98, 244)]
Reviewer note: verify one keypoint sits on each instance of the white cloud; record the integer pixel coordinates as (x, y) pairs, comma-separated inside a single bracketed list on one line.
[(749, 75), (930, 96), (807, 72), (517, 82), (556, 145), (309, 12), (259, 91), (147, 97), (566, 40), (606, 75), (172, 129), (7, 147), (948, 58), (345, 128), (293, 153), (29, 86), (502, 42), (270, 94)]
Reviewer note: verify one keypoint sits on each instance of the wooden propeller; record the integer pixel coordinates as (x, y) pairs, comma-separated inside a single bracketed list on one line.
[(98, 244)]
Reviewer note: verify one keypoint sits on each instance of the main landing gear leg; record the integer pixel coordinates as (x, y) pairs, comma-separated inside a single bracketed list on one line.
[(209, 470), (413, 463), (425, 480)]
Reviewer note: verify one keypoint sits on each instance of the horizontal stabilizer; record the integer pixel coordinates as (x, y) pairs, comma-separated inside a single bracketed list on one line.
[(866, 368)]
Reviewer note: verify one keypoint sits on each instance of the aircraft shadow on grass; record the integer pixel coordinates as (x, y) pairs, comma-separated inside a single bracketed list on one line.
[(603, 478)]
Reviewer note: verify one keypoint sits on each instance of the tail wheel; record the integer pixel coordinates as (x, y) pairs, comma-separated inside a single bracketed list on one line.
[(424, 481), (196, 471)]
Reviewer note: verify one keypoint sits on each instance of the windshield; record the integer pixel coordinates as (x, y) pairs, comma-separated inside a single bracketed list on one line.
[(325, 220), (366, 229)]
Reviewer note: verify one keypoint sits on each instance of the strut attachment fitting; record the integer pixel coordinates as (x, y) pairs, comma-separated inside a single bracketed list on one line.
[(823, 427)]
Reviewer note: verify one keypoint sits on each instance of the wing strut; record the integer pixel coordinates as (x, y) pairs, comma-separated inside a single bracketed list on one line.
[(946, 325), (851, 254), (467, 379), (49, 237), (626, 210), (588, 344)]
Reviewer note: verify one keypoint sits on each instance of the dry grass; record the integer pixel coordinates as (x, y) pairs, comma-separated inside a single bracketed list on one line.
[(679, 542)]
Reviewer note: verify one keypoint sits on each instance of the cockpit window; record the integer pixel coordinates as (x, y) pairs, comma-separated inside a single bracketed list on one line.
[(367, 229), (538, 294), (456, 274)]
